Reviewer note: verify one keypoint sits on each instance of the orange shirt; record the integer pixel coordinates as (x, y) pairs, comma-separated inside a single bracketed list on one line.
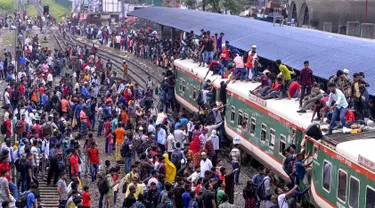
[(33, 96), (120, 135), (124, 117), (64, 105)]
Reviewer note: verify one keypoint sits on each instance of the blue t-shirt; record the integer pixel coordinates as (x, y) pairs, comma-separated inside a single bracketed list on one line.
[(186, 199), (30, 200), (300, 170)]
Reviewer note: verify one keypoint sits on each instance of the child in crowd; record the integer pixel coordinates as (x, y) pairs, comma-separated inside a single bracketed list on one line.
[(86, 197)]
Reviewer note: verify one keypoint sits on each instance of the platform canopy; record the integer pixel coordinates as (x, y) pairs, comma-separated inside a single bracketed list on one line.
[(327, 52)]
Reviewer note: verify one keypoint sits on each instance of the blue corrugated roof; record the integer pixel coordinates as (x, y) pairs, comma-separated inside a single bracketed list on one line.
[(327, 52)]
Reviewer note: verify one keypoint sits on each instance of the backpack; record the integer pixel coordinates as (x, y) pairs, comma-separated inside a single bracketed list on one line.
[(261, 191), (288, 165), (20, 164), (199, 98), (47, 129), (176, 158), (22, 201), (103, 186), (3, 127)]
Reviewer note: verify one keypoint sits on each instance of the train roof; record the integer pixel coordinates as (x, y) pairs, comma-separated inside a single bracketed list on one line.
[(327, 52), (279, 109), (360, 150)]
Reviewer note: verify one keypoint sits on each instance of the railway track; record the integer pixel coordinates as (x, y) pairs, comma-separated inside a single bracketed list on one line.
[(138, 74)]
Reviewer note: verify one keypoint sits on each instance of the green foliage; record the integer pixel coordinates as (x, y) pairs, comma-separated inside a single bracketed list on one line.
[(234, 6), (32, 11), (215, 6), (58, 8), (7, 6)]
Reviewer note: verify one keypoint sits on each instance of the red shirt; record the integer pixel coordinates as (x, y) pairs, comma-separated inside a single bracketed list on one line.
[(293, 87), (249, 63), (86, 199), (349, 116), (74, 164), (107, 128), (224, 54), (8, 123), (5, 167), (38, 130), (21, 88), (94, 156)]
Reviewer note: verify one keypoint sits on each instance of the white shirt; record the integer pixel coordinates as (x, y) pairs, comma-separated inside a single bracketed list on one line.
[(179, 136), (194, 177), (118, 39), (281, 201), (151, 128), (50, 77), (171, 141), (34, 151), (49, 60), (205, 165), (6, 97)]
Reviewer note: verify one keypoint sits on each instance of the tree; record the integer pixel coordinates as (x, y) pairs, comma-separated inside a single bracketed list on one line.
[(234, 6), (190, 3), (215, 7)]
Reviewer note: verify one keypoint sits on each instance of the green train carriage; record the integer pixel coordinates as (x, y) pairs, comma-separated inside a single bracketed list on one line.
[(270, 126), (343, 170)]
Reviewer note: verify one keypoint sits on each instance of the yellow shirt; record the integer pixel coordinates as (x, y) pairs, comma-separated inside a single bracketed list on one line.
[(357, 92), (286, 73), (138, 190)]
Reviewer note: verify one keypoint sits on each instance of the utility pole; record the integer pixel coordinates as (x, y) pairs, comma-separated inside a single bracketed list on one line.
[(366, 10)]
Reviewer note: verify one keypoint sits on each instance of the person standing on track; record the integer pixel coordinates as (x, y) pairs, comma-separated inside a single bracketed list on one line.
[(235, 156)]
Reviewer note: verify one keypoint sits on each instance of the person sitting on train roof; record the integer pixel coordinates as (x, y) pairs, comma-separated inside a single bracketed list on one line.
[(310, 101), (319, 109), (359, 95), (185, 53), (339, 108), (274, 89), (265, 83), (216, 68)]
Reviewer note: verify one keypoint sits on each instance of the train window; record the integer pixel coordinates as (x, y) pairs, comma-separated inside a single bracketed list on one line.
[(183, 85), (327, 169), (315, 152), (294, 135), (353, 192), (370, 197), (252, 126), (194, 93), (239, 118), (342, 180), (263, 133), (282, 144), (232, 113), (246, 121), (180, 86)]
